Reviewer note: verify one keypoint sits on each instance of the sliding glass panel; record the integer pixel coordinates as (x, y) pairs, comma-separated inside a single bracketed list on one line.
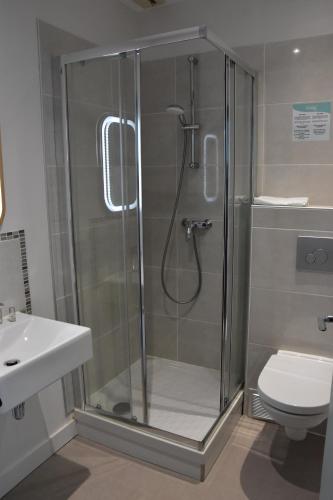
[(102, 135), (241, 225), (183, 292)]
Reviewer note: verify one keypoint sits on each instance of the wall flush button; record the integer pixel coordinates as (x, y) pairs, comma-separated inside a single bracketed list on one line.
[(314, 254), (321, 256), (310, 258)]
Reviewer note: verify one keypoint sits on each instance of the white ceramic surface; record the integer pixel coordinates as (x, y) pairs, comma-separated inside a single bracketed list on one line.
[(46, 350), (297, 383)]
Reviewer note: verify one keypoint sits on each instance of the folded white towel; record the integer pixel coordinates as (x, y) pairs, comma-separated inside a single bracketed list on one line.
[(281, 202)]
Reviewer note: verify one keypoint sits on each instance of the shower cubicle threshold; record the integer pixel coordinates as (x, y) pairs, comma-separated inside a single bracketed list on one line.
[(162, 448)]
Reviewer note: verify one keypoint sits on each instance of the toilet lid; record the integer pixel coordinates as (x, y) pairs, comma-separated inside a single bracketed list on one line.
[(297, 384)]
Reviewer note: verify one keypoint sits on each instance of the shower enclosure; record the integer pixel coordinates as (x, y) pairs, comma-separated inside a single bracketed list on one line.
[(159, 139)]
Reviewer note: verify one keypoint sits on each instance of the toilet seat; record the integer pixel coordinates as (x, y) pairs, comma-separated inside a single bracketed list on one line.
[(297, 384)]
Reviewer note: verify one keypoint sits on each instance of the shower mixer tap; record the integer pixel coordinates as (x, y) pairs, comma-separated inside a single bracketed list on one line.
[(191, 224)]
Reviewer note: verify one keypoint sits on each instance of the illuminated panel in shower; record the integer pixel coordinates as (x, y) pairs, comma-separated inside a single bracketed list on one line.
[(108, 122), (210, 144)]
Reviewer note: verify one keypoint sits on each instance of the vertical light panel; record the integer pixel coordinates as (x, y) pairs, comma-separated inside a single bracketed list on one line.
[(106, 148)]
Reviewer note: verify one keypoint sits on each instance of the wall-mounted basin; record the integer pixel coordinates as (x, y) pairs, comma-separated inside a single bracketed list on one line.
[(35, 352)]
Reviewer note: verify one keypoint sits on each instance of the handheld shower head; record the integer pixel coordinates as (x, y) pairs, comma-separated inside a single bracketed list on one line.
[(175, 109)]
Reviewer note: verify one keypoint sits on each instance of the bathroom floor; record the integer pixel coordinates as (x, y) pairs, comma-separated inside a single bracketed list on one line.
[(183, 398), (258, 463)]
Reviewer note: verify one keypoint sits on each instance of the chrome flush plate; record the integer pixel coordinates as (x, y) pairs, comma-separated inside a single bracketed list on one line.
[(314, 254)]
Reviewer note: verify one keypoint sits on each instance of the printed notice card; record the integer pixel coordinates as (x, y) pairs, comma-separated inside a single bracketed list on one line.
[(311, 121)]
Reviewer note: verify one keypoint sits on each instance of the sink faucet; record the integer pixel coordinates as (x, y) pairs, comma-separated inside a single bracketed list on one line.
[(11, 313), (322, 322)]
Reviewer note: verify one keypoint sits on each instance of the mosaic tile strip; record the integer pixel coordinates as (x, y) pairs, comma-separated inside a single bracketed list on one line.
[(24, 263)]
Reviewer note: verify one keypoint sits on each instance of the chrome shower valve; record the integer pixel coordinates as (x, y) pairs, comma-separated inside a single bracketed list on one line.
[(191, 224)]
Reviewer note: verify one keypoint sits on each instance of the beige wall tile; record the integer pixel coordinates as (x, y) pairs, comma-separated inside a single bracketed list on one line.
[(319, 219), (260, 135), (283, 319), (207, 307), (91, 82), (257, 357), (87, 195), (305, 76), (99, 252), (194, 202), (65, 309), (279, 145), (159, 191), (254, 56), (156, 302), (57, 203), (273, 263), (200, 343), (111, 351), (154, 239), (313, 181), (101, 305), (157, 75), (159, 139), (161, 334), (82, 119)]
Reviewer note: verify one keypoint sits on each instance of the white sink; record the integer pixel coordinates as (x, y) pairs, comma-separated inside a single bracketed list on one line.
[(45, 350)]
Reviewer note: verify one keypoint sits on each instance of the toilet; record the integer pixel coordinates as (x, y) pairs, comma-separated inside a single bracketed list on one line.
[(295, 390)]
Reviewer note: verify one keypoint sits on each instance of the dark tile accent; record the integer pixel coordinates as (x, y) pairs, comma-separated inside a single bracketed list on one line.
[(24, 266)]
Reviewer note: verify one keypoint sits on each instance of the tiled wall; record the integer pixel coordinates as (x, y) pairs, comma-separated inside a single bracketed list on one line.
[(284, 302), (190, 333), (14, 284), (287, 168)]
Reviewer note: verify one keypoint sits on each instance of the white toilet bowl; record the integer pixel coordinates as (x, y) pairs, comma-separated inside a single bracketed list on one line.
[(295, 390)]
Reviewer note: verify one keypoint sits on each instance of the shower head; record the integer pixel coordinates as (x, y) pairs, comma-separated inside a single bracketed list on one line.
[(175, 109)]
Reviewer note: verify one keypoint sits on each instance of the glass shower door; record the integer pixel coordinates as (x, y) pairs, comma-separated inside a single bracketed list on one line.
[(241, 225), (239, 173), (102, 127)]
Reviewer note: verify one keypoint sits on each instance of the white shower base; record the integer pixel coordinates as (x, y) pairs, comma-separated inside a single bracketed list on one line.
[(183, 398)]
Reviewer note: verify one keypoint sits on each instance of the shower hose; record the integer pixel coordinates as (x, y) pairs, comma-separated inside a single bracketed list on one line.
[(168, 238)]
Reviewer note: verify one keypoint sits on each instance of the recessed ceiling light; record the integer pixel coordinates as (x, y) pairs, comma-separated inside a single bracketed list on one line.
[(296, 50)]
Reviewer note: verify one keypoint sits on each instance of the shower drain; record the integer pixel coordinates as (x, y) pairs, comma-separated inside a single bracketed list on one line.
[(11, 362), (121, 408)]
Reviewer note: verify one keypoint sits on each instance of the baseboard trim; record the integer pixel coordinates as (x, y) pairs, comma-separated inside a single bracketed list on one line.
[(17, 471)]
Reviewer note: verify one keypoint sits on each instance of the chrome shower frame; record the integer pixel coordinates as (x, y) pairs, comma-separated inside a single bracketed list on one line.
[(134, 47)]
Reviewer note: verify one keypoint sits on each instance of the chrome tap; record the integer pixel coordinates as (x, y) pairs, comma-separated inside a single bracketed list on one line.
[(322, 322), (192, 224), (12, 314)]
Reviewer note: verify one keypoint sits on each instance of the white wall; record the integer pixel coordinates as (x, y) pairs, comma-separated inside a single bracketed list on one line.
[(100, 21), (245, 22)]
